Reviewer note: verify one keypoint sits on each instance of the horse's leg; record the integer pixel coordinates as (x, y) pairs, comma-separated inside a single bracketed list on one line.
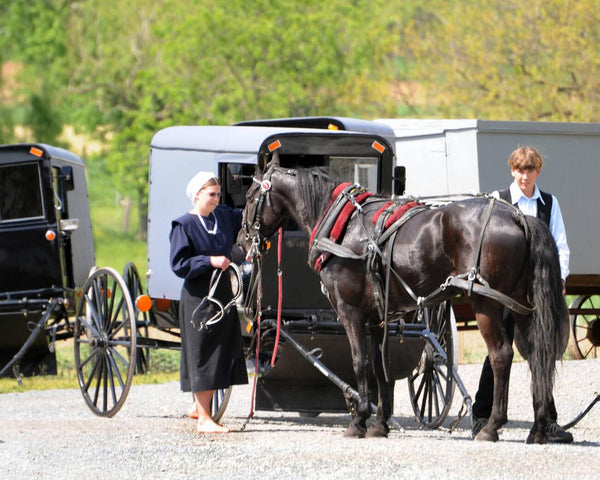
[(540, 408), (355, 330), (500, 351), (379, 426)]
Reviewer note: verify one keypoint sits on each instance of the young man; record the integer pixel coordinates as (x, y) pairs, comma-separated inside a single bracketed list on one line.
[(525, 165)]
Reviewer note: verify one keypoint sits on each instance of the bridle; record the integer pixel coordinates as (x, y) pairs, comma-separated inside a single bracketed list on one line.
[(259, 243), (252, 227), (253, 224)]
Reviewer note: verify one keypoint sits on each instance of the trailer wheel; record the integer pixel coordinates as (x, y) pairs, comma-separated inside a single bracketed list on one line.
[(431, 385), (584, 339), (105, 349), (142, 319)]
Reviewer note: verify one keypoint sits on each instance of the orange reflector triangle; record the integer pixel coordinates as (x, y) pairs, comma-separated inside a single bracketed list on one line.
[(36, 151), (274, 145), (378, 146)]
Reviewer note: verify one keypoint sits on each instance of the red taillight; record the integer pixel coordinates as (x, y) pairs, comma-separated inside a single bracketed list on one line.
[(163, 304)]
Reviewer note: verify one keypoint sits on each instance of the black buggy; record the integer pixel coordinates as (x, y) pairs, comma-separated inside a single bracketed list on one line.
[(46, 253)]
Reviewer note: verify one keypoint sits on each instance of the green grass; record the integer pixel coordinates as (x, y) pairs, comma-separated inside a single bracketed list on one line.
[(113, 247)]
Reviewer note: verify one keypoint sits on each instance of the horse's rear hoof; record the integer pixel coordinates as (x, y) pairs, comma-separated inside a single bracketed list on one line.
[(354, 431), (485, 436), (378, 430), (538, 437)]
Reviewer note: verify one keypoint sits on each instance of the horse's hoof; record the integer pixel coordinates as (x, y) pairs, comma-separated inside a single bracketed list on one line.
[(485, 436), (537, 437), (355, 431), (378, 430)]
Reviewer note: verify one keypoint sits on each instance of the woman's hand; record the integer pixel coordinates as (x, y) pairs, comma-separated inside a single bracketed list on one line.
[(221, 262)]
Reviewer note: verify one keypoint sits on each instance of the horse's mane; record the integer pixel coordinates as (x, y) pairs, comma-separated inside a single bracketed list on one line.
[(314, 189)]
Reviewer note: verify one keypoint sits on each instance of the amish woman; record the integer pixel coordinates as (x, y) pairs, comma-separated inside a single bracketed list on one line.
[(201, 241)]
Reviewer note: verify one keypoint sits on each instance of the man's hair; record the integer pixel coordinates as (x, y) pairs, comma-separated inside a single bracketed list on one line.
[(525, 158)]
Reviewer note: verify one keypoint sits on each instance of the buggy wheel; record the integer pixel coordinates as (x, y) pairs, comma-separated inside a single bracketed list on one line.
[(105, 352), (431, 385), (219, 402), (142, 319), (584, 340)]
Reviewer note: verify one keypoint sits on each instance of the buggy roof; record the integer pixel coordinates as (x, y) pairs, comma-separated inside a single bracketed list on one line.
[(48, 150), (249, 140), (326, 123)]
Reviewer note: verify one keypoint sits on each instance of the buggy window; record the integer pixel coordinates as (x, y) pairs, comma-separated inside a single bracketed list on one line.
[(236, 179), (361, 170), (20, 192)]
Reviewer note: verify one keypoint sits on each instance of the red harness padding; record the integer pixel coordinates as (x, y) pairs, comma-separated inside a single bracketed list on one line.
[(396, 215), (341, 221)]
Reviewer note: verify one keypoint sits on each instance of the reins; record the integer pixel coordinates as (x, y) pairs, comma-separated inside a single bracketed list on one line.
[(201, 324), (258, 246)]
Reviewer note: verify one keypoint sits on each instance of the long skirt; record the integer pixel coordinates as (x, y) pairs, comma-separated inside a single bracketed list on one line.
[(212, 358)]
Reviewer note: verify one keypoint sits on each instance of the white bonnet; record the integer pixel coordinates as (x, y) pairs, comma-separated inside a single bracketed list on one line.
[(196, 184)]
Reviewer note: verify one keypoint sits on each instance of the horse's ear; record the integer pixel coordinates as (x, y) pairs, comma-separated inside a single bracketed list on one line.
[(262, 163), (275, 158)]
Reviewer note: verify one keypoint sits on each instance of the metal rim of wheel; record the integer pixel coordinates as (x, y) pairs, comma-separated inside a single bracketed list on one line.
[(431, 385), (219, 403), (142, 319), (105, 355), (584, 340)]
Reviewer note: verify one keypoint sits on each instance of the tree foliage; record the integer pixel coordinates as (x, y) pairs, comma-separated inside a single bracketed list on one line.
[(141, 66), (32, 33), (534, 60)]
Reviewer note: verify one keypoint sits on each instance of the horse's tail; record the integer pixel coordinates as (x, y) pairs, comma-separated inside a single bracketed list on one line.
[(549, 329)]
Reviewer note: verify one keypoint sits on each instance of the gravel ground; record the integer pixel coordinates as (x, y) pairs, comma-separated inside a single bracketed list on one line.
[(53, 435)]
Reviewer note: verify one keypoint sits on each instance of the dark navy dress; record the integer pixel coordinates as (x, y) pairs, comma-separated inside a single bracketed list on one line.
[(210, 359)]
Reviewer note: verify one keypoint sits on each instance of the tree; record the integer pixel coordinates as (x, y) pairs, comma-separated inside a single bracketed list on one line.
[(534, 60), (32, 34), (141, 66)]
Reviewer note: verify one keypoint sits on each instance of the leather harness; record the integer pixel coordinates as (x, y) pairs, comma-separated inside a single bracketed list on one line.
[(326, 237)]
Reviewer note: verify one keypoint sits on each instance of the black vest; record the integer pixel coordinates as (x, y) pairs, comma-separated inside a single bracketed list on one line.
[(544, 209)]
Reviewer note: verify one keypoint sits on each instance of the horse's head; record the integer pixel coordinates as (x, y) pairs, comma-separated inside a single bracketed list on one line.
[(264, 211)]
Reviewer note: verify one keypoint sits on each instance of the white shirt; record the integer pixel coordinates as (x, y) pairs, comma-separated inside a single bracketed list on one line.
[(557, 226)]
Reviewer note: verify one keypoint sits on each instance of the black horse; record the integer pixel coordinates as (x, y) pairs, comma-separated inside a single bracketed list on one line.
[(513, 255)]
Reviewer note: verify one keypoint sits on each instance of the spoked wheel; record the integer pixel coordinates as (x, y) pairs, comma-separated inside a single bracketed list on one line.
[(431, 385), (105, 351), (584, 341), (219, 403), (142, 319)]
